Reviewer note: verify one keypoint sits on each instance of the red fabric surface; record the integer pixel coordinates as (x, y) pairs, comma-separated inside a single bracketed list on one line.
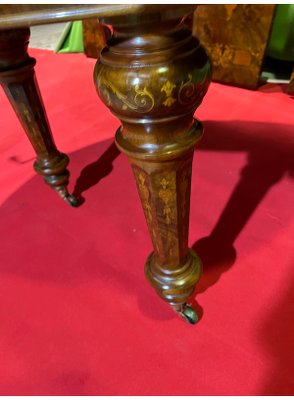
[(77, 315)]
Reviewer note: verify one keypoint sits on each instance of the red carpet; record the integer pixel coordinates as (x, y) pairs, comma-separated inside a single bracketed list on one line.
[(77, 316)]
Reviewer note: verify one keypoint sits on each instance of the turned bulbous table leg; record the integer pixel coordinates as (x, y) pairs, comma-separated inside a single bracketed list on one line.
[(153, 77), (17, 78)]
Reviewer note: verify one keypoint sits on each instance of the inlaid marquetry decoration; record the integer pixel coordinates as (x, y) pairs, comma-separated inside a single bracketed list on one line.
[(236, 38), (187, 91), (142, 101), (142, 181), (142, 98), (166, 193), (153, 81), (168, 88), (17, 77), (166, 188)]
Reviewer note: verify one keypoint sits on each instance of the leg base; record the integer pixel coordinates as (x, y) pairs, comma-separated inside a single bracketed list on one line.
[(69, 198), (188, 314), (56, 175), (175, 286)]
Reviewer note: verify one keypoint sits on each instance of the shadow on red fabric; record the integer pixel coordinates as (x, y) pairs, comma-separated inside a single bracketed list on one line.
[(77, 315)]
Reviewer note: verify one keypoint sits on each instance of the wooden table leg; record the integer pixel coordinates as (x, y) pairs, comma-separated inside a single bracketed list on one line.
[(17, 78), (152, 75)]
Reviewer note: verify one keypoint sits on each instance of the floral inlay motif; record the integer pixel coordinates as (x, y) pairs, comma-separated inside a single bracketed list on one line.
[(168, 88)]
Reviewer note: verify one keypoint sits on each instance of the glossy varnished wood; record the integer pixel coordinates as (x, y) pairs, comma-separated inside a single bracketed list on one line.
[(235, 36), (94, 37), (152, 75), (17, 77), (25, 15)]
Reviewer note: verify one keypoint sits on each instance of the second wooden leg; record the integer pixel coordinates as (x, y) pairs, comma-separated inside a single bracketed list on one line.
[(17, 77)]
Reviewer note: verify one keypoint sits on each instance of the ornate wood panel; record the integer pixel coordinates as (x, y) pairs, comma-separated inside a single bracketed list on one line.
[(236, 37), (93, 37), (291, 84)]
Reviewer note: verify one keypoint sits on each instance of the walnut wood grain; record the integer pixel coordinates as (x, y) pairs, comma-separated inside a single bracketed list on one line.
[(153, 77), (17, 77), (25, 15), (235, 36), (94, 37)]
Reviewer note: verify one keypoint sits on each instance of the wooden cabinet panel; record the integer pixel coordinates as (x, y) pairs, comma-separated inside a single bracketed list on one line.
[(235, 37), (93, 37)]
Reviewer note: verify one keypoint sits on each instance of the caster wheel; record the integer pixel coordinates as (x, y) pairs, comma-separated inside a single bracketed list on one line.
[(72, 200), (69, 198), (189, 314)]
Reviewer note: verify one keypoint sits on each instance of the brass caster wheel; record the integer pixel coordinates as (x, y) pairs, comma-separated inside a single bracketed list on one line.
[(189, 314), (69, 198), (72, 200)]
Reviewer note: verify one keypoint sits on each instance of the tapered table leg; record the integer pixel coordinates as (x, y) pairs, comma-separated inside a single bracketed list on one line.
[(17, 78), (152, 75)]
